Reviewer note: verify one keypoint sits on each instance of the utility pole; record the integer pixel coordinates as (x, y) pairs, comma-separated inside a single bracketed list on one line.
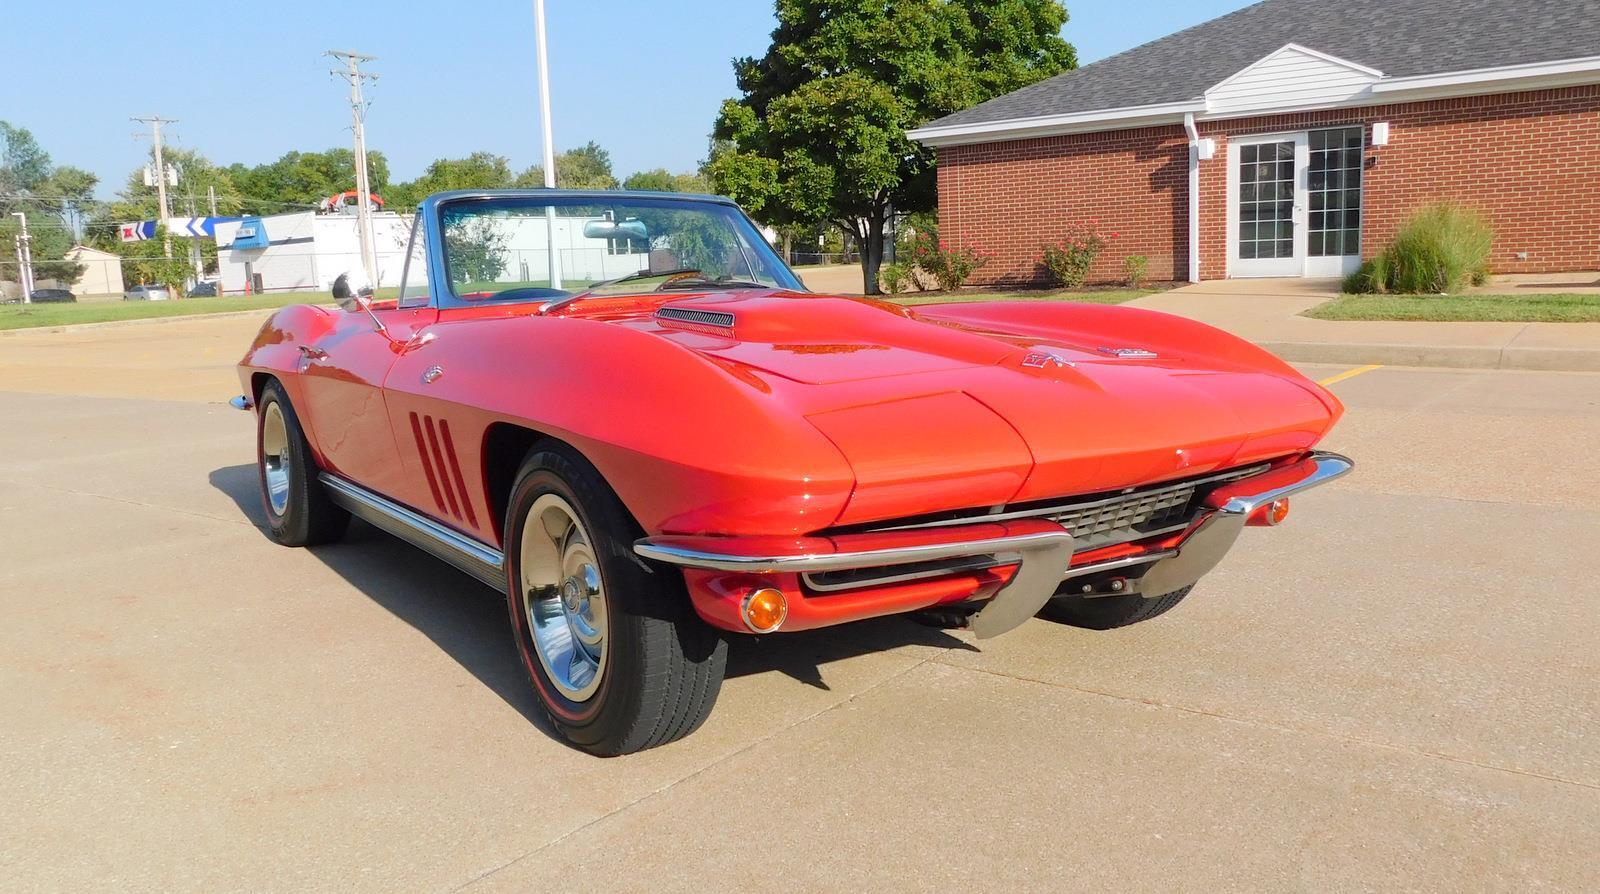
[(24, 258), (211, 194), (549, 140), (155, 122), (358, 115)]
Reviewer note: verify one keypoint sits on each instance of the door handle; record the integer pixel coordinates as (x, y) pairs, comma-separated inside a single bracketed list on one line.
[(311, 353), (432, 375)]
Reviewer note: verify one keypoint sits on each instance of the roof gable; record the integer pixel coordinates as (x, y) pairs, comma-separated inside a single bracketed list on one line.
[(1291, 77), (1410, 41)]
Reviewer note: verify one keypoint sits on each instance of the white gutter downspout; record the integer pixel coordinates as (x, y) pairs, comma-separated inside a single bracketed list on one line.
[(1194, 196)]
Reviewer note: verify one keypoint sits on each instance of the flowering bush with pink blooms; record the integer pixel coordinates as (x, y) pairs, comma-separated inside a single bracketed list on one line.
[(949, 267), (1069, 261)]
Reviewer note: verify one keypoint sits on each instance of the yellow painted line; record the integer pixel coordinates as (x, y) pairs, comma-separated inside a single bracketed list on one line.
[(1349, 374)]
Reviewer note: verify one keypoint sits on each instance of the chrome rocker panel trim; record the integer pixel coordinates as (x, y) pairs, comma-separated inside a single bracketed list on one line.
[(479, 560), (1045, 554)]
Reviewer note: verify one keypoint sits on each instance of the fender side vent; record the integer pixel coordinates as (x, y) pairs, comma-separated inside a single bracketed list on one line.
[(719, 321)]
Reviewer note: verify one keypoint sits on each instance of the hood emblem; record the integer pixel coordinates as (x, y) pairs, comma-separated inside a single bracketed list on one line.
[(1129, 353), (1042, 359)]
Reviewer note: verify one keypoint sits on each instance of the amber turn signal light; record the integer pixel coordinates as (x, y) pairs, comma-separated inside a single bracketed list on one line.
[(1271, 514), (764, 610)]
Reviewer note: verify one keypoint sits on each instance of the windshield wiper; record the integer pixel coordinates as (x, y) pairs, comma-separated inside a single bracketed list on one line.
[(693, 282), (559, 303)]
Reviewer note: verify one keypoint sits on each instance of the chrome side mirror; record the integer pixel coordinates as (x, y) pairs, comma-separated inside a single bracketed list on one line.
[(351, 299)]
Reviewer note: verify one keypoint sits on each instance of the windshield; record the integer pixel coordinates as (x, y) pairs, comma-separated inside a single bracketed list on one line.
[(534, 249)]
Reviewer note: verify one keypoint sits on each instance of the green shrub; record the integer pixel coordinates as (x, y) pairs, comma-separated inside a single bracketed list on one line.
[(898, 277), (1069, 261), (1441, 249), (949, 267), (1134, 269)]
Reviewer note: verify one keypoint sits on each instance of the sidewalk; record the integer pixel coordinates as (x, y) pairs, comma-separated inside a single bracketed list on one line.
[(1267, 312)]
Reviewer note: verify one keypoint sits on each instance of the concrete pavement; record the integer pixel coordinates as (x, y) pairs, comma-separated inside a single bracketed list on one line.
[(1397, 690)]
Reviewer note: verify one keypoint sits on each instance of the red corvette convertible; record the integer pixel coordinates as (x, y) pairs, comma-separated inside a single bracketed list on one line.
[(623, 410)]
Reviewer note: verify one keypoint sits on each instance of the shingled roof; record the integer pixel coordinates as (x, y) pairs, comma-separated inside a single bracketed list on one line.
[(1400, 38)]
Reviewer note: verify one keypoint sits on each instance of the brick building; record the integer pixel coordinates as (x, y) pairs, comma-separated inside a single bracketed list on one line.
[(1291, 138)]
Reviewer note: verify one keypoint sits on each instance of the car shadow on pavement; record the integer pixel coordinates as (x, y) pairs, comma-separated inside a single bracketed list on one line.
[(468, 620)]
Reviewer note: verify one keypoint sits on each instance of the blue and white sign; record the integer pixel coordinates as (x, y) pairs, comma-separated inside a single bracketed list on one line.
[(187, 227), (138, 231)]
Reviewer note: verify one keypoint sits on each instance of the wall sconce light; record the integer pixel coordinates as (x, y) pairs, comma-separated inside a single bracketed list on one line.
[(1380, 133)]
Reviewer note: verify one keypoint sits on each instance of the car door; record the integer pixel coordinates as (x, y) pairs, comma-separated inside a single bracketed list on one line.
[(438, 441), (342, 376)]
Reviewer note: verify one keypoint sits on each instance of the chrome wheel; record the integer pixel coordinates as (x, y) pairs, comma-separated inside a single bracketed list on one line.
[(275, 463), (563, 598)]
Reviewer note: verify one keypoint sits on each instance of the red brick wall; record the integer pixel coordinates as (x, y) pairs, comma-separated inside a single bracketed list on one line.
[(1009, 199), (1530, 161)]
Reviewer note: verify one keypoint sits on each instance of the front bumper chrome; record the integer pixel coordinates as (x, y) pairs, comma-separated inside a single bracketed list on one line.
[(1041, 550)]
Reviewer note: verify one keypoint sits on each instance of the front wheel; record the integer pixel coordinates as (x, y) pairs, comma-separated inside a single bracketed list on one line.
[(1109, 612), (299, 511), (617, 657)]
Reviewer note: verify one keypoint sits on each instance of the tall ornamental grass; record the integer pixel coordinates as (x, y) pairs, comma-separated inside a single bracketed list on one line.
[(1442, 249)]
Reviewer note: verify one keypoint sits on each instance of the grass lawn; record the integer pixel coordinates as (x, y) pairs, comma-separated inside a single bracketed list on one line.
[(29, 316), (1115, 296), (1462, 308)]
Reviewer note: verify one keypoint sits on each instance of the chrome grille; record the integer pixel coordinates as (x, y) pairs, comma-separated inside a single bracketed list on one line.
[(1138, 513), (1105, 519), (717, 318)]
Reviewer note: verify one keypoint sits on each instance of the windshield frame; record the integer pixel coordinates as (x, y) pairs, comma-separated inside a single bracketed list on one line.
[(442, 292)]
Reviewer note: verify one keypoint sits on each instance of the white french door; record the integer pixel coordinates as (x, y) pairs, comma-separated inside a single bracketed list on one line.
[(1266, 205), (1294, 203)]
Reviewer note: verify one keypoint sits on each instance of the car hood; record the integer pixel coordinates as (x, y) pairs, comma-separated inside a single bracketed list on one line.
[(969, 405)]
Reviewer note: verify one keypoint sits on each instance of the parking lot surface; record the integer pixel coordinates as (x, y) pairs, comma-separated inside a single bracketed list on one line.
[(1399, 689)]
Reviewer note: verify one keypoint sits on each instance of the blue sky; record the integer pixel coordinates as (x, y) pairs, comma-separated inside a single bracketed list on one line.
[(248, 83)]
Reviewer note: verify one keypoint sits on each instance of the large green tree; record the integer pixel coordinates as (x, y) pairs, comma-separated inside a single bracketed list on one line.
[(586, 167), (662, 180), (480, 170), (54, 200), (299, 180), (819, 130)]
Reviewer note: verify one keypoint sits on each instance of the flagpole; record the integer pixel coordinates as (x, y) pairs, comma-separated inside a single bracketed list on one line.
[(549, 140)]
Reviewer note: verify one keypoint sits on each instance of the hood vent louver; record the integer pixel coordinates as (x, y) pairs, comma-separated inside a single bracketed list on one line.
[(692, 318)]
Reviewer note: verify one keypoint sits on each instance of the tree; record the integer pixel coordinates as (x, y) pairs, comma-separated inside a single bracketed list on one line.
[(661, 180), (480, 170), (146, 261), (586, 167), (819, 131), (198, 177), (52, 198), (297, 181)]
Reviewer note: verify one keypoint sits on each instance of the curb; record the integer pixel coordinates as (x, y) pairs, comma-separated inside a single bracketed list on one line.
[(1450, 356)]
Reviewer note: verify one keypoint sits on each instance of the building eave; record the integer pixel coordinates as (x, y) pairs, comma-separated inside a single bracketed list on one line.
[(1056, 125), (1472, 82)]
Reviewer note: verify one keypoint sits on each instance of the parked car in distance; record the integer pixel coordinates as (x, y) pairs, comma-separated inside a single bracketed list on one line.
[(143, 292), (662, 441), (51, 296), (203, 289)]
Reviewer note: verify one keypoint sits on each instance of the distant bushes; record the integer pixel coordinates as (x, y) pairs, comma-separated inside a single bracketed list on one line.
[(1442, 249)]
